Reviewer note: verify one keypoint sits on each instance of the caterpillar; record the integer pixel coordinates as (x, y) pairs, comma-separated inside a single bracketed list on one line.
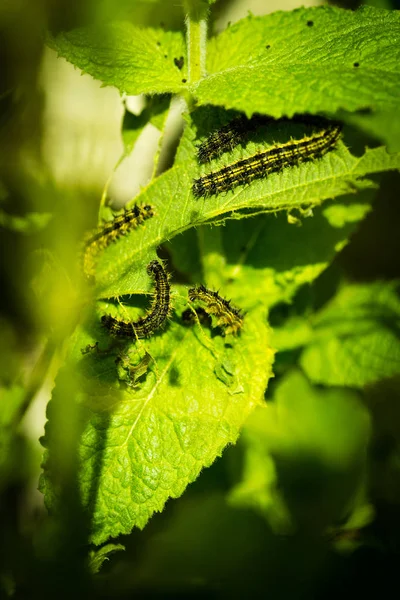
[(159, 311), (229, 317), (272, 160), (236, 131), (228, 136), (112, 230)]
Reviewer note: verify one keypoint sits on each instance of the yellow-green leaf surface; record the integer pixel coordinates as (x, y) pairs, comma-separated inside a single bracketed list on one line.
[(355, 338), (133, 59), (312, 444), (143, 444), (309, 60), (122, 266)]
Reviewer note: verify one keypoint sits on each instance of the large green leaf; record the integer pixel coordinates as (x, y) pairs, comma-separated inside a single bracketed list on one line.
[(142, 445), (307, 60), (135, 60)]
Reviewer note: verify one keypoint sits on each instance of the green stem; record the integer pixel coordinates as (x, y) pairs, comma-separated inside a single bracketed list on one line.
[(196, 35)]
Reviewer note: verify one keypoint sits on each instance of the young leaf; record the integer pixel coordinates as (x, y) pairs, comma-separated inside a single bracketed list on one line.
[(307, 60), (98, 556), (356, 337), (133, 59)]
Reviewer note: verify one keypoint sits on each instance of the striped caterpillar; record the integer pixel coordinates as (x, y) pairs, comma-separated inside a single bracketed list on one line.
[(227, 137), (228, 317), (112, 230), (264, 163), (155, 318)]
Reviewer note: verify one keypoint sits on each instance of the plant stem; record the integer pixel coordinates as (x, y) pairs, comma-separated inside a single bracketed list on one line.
[(196, 35)]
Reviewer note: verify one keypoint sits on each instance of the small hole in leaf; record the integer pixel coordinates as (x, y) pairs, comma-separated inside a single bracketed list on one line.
[(356, 64), (268, 46), (184, 80), (179, 62), (310, 23)]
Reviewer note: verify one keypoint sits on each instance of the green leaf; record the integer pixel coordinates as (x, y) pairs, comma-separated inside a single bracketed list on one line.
[(305, 456), (250, 253), (356, 338), (121, 267), (98, 556), (276, 255), (132, 126), (143, 444), (305, 61), (296, 332), (135, 60)]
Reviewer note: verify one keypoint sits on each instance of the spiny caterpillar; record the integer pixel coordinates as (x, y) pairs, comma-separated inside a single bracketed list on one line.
[(103, 236), (228, 136), (272, 160), (238, 130), (229, 317), (160, 308)]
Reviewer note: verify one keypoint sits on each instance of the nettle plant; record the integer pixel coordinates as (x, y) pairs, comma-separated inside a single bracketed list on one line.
[(143, 417)]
